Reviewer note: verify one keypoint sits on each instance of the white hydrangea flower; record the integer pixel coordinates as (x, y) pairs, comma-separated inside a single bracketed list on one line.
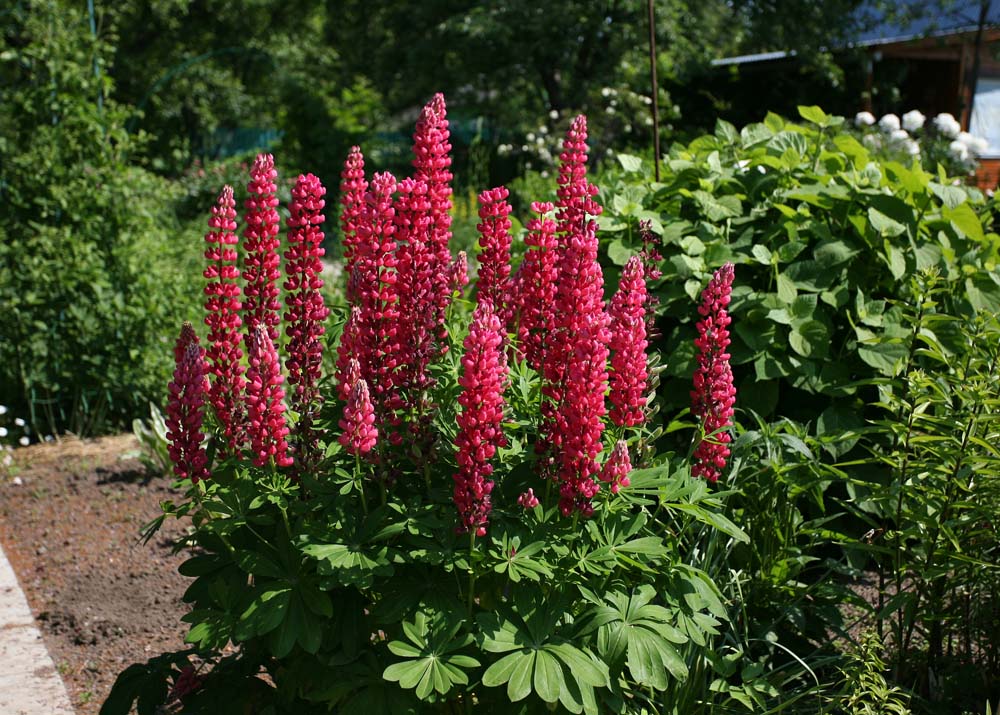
[(981, 146), (958, 150), (864, 119), (898, 135), (913, 120), (889, 123), (872, 141), (911, 147), (975, 145), (947, 125), (19, 422)]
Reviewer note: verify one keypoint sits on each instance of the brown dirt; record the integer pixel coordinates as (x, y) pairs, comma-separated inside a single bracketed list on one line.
[(70, 528)]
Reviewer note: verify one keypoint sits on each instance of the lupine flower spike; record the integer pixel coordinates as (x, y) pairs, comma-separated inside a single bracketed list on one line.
[(262, 265), (494, 259), (266, 427), (537, 285), (616, 470), (714, 395), (187, 392), (528, 500), (359, 433), (628, 347), (575, 194), (222, 307), (352, 201), (480, 423), (305, 310)]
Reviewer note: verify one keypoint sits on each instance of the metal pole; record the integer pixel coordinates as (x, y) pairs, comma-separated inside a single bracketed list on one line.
[(656, 93)]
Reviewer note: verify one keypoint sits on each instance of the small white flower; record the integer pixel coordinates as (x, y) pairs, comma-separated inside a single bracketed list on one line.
[(609, 110), (3, 431), (911, 147), (3, 409), (947, 125), (898, 135), (647, 100), (864, 119), (913, 120), (17, 481), (543, 129), (539, 141), (530, 137), (648, 121), (19, 422), (605, 91), (761, 169), (958, 150), (554, 114), (888, 123), (544, 174), (524, 147), (24, 441), (628, 128), (613, 103), (608, 152)]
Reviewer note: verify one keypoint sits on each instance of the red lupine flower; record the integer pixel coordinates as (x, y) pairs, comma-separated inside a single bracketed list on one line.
[(266, 427), (262, 264), (528, 500), (222, 306), (494, 259), (432, 166), (358, 423), (187, 337), (306, 310), (187, 392), (628, 347), (352, 200), (348, 367), (575, 193), (536, 285), (616, 470), (480, 423), (714, 395)]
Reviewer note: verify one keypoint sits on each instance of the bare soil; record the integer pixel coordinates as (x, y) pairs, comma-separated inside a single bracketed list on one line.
[(70, 516)]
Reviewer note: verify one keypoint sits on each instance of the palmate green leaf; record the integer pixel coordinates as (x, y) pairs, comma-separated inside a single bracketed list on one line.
[(432, 665), (351, 565)]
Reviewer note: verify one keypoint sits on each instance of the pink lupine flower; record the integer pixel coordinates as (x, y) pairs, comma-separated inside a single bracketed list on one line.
[(266, 427), (714, 395), (580, 414), (359, 433), (431, 162), (417, 278), (528, 500), (306, 310), (578, 305), (480, 423), (352, 200), (222, 307), (348, 366), (261, 269), (187, 392), (494, 259), (575, 193), (616, 470), (628, 347), (537, 285)]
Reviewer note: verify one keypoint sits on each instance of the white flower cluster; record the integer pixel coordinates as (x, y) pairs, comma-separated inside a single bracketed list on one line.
[(895, 134)]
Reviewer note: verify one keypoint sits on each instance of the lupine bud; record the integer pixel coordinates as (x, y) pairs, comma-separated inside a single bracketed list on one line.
[(222, 307), (352, 200), (266, 427), (187, 337), (494, 258), (616, 470), (537, 286), (262, 265), (528, 500), (185, 401), (480, 423), (628, 347), (459, 272), (714, 395), (306, 311), (359, 433)]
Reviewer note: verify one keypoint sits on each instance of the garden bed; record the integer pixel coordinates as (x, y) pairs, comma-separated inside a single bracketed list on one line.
[(70, 515)]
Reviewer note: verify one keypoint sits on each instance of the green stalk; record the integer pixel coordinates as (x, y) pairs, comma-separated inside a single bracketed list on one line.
[(472, 571)]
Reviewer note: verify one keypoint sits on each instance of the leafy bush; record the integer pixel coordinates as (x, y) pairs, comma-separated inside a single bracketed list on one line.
[(91, 271), (823, 235)]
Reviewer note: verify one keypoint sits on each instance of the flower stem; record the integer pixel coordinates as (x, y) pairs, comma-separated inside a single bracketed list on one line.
[(361, 483), (472, 571)]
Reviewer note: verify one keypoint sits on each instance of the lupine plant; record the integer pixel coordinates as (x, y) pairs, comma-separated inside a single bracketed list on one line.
[(463, 524)]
